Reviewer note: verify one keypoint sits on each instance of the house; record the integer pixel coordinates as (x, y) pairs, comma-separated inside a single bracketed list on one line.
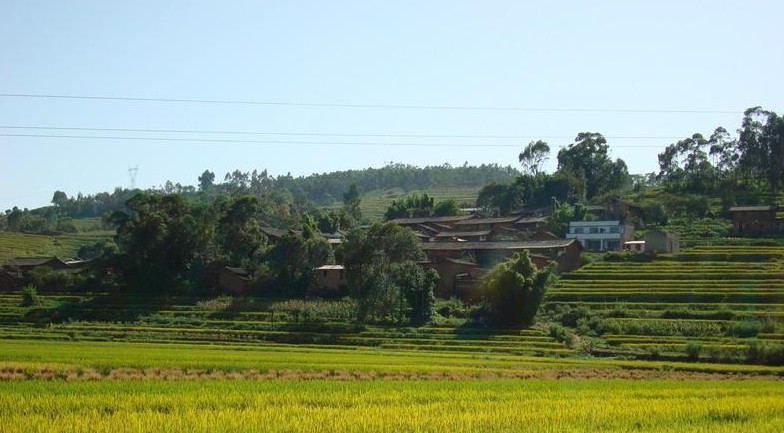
[(446, 222), (460, 236), (458, 278), (531, 224), (274, 234), (565, 252), (657, 241), (235, 281), (23, 265), (756, 220), (330, 279), (8, 282), (600, 235), (495, 225)]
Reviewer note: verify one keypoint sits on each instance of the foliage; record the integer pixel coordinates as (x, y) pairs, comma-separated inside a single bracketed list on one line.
[(533, 156), (588, 161), (160, 240), (515, 288), (30, 296), (383, 274), (412, 206), (721, 163), (291, 261), (351, 200), (562, 215)]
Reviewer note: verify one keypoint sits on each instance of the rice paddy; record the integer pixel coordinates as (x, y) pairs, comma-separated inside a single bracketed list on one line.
[(101, 362)]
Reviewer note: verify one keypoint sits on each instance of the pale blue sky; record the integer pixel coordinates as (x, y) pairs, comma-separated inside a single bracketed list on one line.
[(713, 57)]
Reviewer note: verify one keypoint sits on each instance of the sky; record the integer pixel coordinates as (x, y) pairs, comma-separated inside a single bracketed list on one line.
[(91, 89)]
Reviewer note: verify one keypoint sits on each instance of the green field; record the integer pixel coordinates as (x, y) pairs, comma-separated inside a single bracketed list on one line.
[(717, 302), (375, 203), (14, 244)]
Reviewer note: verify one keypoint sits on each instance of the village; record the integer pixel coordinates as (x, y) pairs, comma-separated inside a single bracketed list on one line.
[(462, 248)]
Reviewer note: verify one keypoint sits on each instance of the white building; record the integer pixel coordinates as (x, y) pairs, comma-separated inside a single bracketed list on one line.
[(600, 235)]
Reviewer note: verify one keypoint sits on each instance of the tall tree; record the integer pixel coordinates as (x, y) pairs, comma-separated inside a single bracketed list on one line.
[(588, 162), (761, 144), (160, 240), (383, 273), (206, 181), (351, 202), (533, 156)]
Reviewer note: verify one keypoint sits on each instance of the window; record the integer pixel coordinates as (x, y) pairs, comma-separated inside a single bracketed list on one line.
[(614, 229)]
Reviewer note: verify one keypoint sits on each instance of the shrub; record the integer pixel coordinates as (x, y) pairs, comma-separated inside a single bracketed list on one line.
[(559, 333), (693, 350), (758, 352), (515, 288), (30, 296)]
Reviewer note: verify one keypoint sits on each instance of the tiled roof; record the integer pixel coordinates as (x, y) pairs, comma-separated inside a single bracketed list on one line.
[(463, 234), (404, 221), (500, 220), (31, 261), (751, 208), (499, 245)]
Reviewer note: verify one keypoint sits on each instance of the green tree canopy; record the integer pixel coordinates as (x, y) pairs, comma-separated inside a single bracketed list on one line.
[(515, 288), (587, 160), (384, 276)]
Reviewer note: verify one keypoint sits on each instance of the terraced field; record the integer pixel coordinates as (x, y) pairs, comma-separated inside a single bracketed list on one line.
[(375, 203), (13, 244), (104, 317), (707, 303)]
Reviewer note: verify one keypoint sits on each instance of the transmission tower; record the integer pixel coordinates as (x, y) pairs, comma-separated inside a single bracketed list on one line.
[(132, 172)]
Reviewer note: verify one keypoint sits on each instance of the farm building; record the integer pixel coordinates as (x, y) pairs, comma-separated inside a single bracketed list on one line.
[(8, 282), (756, 219), (235, 281), (23, 265), (657, 241), (565, 252), (330, 278), (457, 277)]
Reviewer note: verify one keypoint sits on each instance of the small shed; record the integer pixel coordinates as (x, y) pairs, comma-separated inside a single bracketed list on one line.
[(634, 246), (235, 281), (756, 219), (330, 278), (657, 241)]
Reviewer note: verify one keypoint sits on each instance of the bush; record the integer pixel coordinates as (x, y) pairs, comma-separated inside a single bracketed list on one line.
[(452, 308), (514, 289), (30, 296), (693, 350), (560, 333), (758, 352)]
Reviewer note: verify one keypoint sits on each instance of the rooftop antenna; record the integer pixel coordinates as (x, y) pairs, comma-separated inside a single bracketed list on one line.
[(132, 172)]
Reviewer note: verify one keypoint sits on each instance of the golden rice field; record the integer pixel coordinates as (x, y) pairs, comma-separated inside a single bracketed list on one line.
[(61, 386), (282, 405)]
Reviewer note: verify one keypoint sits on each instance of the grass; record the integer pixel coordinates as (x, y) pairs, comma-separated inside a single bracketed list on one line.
[(14, 244), (375, 203)]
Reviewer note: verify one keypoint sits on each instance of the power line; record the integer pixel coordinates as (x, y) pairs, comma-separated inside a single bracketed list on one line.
[(321, 134), (372, 106), (275, 142)]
